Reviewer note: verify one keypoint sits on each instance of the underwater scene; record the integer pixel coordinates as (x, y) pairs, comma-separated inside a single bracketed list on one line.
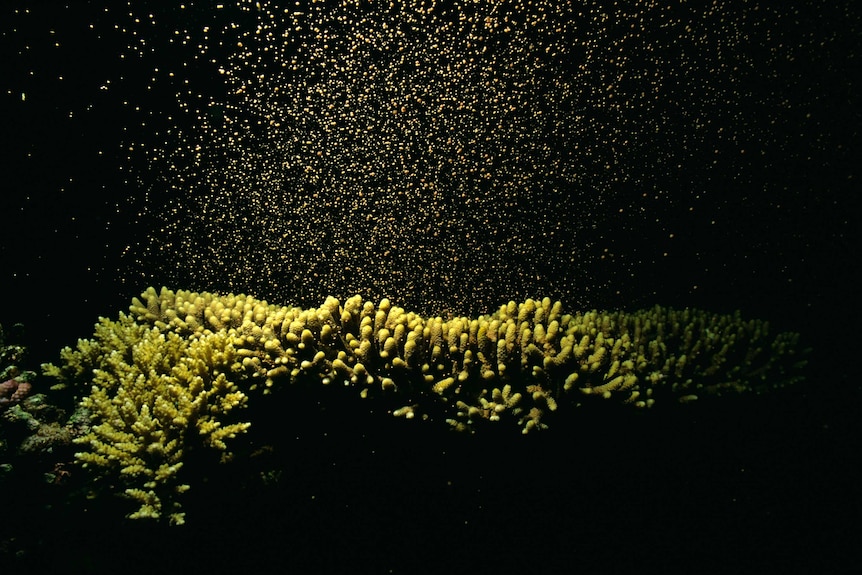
[(460, 286)]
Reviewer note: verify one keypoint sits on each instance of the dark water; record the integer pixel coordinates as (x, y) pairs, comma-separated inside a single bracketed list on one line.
[(611, 156)]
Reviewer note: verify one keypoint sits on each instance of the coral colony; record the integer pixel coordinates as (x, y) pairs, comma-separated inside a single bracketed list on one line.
[(180, 370)]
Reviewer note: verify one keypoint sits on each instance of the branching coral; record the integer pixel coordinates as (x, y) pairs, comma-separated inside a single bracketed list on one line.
[(167, 378), (154, 395)]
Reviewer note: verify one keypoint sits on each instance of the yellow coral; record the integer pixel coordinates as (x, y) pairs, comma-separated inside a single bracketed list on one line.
[(171, 375), (153, 394)]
